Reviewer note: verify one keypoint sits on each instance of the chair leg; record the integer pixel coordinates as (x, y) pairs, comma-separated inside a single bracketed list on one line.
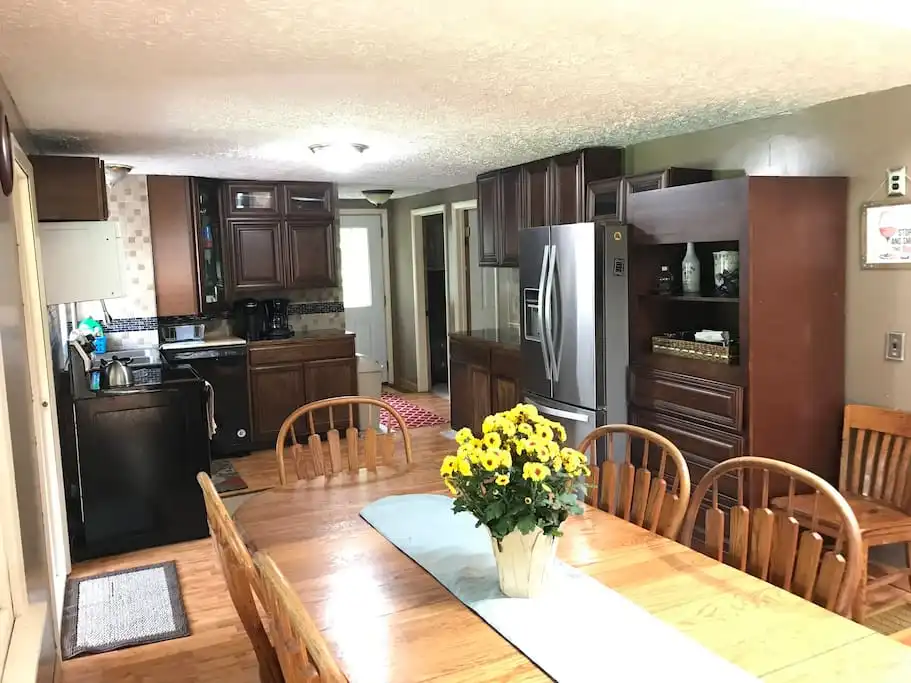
[(859, 609)]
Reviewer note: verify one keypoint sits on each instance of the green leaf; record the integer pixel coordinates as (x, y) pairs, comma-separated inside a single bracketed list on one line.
[(502, 527), (494, 510), (526, 524), (567, 498)]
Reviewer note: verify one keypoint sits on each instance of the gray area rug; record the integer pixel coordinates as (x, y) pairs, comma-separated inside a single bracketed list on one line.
[(121, 609)]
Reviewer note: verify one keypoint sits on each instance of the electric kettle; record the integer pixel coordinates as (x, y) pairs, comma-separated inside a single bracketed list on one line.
[(116, 373)]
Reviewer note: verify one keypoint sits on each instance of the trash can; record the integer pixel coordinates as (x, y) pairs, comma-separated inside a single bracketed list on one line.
[(369, 383)]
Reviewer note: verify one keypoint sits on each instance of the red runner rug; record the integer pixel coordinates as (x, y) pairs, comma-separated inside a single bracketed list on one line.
[(415, 417)]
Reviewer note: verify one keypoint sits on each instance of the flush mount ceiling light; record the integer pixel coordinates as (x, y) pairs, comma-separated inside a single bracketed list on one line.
[(340, 157), (114, 173), (377, 197)]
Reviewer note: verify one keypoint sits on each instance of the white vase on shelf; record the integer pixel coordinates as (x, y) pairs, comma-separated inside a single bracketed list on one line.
[(692, 271)]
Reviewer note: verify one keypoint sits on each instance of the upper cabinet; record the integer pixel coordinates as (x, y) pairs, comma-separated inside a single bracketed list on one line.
[(607, 199), (69, 188), (187, 245), (311, 254), (544, 192), (257, 256)]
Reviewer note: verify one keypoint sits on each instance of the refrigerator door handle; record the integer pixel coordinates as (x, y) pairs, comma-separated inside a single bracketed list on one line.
[(548, 303), (542, 283), (556, 412)]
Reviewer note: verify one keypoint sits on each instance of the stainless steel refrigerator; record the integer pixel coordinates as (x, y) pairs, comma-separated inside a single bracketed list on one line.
[(575, 349)]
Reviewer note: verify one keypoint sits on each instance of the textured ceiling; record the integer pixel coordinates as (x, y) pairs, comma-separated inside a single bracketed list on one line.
[(440, 91)]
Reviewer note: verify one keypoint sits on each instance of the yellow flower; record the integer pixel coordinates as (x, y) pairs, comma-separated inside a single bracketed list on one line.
[(490, 424), (525, 429), (452, 489), (535, 471), (464, 467), (468, 451), (587, 472), (490, 461), (527, 500), (448, 466), (573, 460), (502, 479), (520, 446), (463, 436), (560, 430), (508, 428), (544, 431), (505, 458), (514, 415), (492, 440), (555, 464), (476, 442), (531, 411)]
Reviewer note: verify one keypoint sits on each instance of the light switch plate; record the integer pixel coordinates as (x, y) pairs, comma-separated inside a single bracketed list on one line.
[(895, 346)]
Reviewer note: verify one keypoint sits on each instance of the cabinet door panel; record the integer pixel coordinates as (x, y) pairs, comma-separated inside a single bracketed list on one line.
[(504, 392), (488, 219), (312, 254), (276, 391), (257, 255), (691, 438), (308, 198), (510, 215), (479, 383), (171, 228), (536, 190), (459, 394), (567, 182), (329, 379)]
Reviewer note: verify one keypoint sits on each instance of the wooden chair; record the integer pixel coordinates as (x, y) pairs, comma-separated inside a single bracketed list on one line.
[(237, 567), (302, 651), (639, 494), (875, 479), (377, 449), (770, 545)]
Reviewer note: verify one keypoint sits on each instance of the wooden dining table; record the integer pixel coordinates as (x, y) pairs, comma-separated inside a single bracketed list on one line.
[(386, 619)]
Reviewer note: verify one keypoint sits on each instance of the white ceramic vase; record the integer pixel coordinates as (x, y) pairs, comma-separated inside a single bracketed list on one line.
[(691, 270), (524, 562)]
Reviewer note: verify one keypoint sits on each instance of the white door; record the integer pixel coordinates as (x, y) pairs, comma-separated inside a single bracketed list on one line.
[(482, 282), (363, 285)]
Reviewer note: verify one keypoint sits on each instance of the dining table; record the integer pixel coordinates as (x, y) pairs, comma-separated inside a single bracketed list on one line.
[(386, 619)]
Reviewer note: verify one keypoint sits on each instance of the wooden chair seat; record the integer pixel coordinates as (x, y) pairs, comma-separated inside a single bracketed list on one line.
[(872, 516)]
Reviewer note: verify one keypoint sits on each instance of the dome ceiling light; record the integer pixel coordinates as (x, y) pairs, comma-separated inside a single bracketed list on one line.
[(340, 157), (377, 197), (114, 173)]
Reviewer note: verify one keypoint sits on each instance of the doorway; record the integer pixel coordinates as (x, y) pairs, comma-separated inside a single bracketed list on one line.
[(436, 301), (365, 283)]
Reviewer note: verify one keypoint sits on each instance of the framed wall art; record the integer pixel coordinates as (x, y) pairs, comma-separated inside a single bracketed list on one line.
[(885, 235)]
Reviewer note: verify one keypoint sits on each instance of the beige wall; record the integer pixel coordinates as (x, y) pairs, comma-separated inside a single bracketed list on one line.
[(402, 271), (859, 137), (18, 402)]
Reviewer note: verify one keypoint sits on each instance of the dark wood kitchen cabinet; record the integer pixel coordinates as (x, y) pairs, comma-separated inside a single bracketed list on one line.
[(307, 199), (311, 254), (484, 378), (69, 188), (257, 255), (285, 375), (173, 250), (251, 200), (545, 192), (607, 199)]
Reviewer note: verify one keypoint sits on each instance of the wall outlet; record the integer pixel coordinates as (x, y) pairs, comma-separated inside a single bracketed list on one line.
[(895, 346), (897, 182)]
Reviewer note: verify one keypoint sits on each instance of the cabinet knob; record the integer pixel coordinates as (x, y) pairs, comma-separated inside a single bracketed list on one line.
[(44, 404)]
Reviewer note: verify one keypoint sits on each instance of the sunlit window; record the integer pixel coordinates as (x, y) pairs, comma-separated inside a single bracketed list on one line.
[(356, 282)]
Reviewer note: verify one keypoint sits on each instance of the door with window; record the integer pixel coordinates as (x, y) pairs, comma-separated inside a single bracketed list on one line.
[(363, 283)]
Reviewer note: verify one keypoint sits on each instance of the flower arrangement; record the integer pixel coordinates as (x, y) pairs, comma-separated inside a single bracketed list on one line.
[(517, 475)]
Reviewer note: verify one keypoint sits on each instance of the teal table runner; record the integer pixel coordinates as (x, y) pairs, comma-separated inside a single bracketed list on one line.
[(459, 556)]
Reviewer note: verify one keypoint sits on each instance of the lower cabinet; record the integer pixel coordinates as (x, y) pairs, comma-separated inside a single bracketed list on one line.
[(483, 379), (289, 374)]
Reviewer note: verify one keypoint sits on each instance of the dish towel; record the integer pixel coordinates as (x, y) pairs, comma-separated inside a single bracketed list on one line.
[(210, 410), (558, 631)]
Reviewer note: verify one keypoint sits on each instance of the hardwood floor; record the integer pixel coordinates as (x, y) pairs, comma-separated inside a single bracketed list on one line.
[(217, 649)]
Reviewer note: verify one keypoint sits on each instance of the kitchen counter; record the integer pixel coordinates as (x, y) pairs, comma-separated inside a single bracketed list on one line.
[(505, 336), (311, 335)]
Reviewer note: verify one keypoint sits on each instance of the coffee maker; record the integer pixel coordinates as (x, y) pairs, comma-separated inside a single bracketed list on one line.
[(275, 323), (248, 319)]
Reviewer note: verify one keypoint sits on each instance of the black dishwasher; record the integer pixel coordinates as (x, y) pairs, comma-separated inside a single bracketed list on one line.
[(225, 369)]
